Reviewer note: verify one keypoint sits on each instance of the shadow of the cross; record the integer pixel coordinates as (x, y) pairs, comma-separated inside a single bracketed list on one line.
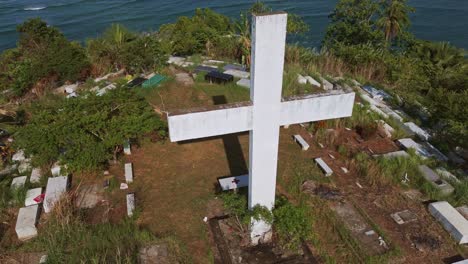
[(234, 155)]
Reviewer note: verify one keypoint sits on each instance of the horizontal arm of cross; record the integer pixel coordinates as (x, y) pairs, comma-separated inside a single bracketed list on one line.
[(234, 118)]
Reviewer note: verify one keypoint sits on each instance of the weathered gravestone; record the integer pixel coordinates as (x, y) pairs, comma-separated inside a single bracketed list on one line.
[(26, 223), (451, 220), (36, 175), (263, 116), (56, 187), (324, 167), (444, 187), (128, 172), (18, 182), (33, 197)]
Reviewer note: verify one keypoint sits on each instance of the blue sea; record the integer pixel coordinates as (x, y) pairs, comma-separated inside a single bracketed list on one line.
[(438, 20)]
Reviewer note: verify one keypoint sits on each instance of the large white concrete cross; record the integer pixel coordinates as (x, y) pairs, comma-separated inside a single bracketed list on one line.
[(263, 115)]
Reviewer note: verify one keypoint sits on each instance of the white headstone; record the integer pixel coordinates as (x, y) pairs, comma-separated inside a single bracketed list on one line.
[(56, 187), (312, 81), (388, 130), (230, 183), (130, 204), (301, 141), (327, 170), (26, 222), (394, 154), (451, 220), (301, 79), (128, 172), (327, 86), (18, 182), (31, 195), (36, 175)]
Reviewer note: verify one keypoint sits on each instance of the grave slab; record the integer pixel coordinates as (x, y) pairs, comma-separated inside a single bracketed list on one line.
[(31, 195), (312, 81), (378, 111), (446, 174), (434, 151), (24, 167), (238, 74), (298, 139), (301, 79), (463, 211), (376, 93), (56, 169), (26, 222), (230, 183), (407, 143), (89, 196), (451, 220), (18, 182), (130, 203), (128, 172), (421, 133), (56, 187), (404, 217), (394, 154), (233, 67), (244, 83), (327, 86), (184, 79), (18, 156), (324, 166), (387, 129), (444, 187), (127, 148)]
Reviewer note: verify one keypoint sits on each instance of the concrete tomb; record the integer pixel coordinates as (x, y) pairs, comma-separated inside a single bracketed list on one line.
[(89, 196), (56, 187), (244, 83), (407, 143), (231, 183), (312, 81), (376, 93), (128, 172), (463, 210), (263, 115), (24, 166), (444, 187), (184, 78), (18, 182), (378, 111), (127, 148), (298, 139), (404, 217), (56, 170), (434, 151), (327, 86), (327, 170), (18, 156), (26, 222), (206, 69), (446, 174), (233, 67), (415, 129), (130, 204), (33, 197), (387, 129), (301, 79), (238, 74), (451, 220), (394, 154)]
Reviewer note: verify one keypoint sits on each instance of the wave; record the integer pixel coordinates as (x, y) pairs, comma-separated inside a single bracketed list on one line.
[(34, 8)]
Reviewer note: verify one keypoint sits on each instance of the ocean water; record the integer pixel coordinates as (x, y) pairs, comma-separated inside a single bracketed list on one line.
[(439, 20)]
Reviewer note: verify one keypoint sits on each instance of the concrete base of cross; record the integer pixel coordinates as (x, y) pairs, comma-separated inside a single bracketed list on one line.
[(260, 232)]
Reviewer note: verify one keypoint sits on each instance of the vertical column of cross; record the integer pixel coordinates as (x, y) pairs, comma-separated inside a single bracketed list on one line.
[(268, 48)]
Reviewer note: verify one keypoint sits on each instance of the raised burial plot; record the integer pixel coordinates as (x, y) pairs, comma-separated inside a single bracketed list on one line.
[(244, 83), (56, 187), (230, 183), (415, 129), (33, 197), (324, 167), (36, 175), (444, 187), (128, 172), (26, 222), (126, 148), (394, 154), (299, 140), (18, 182), (408, 143), (238, 74), (451, 219), (130, 204)]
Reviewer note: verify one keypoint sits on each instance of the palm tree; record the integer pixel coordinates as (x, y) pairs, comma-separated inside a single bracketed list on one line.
[(242, 28), (394, 18)]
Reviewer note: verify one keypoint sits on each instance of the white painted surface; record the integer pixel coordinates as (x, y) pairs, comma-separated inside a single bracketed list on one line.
[(327, 170), (451, 220), (130, 204), (301, 141), (465, 261), (244, 83), (36, 175), (18, 182), (26, 222), (230, 183), (30, 195), (238, 73), (71, 88), (421, 133), (56, 187), (367, 99), (128, 172)]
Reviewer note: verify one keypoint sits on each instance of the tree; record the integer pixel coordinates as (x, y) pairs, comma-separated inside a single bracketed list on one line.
[(87, 131), (394, 18)]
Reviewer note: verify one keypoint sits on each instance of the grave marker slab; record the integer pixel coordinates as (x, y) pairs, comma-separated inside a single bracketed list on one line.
[(230, 183), (421, 133), (128, 172), (463, 211), (244, 83), (24, 167), (378, 111), (18, 156), (31, 195), (444, 187), (312, 81), (404, 217), (18, 182), (233, 67), (238, 74), (56, 187), (394, 154), (26, 222), (127, 148), (298, 139), (446, 174), (56, 169), (407, 143), (387, 129), (327, 86), (301, 79), (130, 204), (451, 220), (324, 166)]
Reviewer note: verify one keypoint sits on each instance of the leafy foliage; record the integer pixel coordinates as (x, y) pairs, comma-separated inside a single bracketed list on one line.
[(87, 131)]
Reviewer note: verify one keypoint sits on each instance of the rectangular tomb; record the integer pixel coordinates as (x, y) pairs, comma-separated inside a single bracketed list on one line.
[(230, 183), (444, 187), (26, 222), (451, 220), (407, 143), (18, 182), (421, 133), (128, 172), (36, 175), (394, 154), (126, 148), (56, 187), (324, 166), (31, 195), (130, 203), (298, 139)]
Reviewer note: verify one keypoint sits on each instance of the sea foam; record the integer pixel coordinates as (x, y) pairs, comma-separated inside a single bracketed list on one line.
[(34, 8)]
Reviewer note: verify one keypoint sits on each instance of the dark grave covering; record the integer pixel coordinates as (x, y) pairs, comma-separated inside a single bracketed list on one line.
[(136, 82), (218, 77), (204, 69)]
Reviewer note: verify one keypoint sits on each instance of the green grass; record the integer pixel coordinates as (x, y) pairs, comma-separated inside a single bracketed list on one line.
[(231, 91)]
